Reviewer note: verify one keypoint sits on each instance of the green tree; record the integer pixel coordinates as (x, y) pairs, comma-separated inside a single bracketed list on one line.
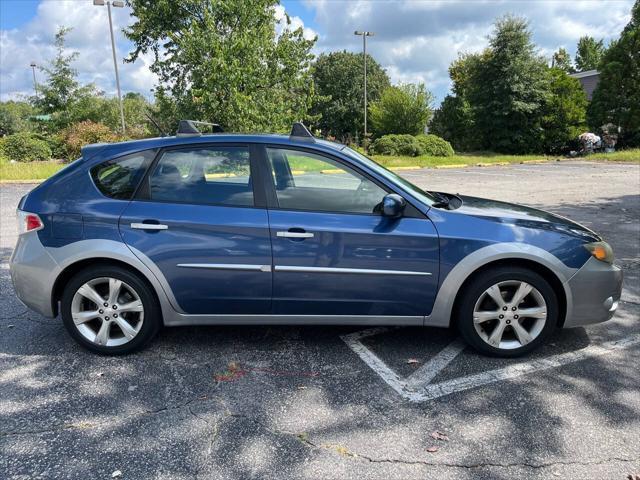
[(225, 61), (338, 81), (508, 90), (562, 60), (61, 84), (616, 99), (14, 117), (454, 122), (589, 53), (565, 111), (402, 109)]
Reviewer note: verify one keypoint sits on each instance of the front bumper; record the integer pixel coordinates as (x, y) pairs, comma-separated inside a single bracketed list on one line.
[(33, 271), (595, 293)]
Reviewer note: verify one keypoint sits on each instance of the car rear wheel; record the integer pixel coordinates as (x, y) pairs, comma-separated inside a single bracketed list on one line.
[(507, 311), (110, 310)]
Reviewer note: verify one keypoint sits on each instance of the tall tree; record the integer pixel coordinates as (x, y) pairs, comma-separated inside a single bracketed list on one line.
[(562, 60), (454, 122), (589, 53), (616, 99), (339, 83), (565, 111), (402, 109), (55, 94), (509, 90), (225, 61)]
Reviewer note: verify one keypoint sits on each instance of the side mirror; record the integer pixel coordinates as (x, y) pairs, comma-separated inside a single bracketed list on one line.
[(393, 205)]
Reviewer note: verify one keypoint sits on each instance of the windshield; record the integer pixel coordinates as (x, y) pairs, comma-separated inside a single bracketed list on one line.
[(420, 194)]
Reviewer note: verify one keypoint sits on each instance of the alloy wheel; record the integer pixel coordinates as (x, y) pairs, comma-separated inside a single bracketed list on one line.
[(107, 311), (510, 314)]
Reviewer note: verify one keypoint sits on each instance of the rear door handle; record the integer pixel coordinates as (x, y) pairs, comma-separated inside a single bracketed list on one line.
[(149, 226), (294, 234)]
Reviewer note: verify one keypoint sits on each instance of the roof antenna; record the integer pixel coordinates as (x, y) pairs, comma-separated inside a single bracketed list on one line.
[(155, 124), (300, 132)]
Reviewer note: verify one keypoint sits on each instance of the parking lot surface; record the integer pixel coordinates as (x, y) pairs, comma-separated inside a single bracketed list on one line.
[(339, 402)]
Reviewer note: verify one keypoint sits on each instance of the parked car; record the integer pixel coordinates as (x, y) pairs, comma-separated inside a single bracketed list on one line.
[(270, 229)]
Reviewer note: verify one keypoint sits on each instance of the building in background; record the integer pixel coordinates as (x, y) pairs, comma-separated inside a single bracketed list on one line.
[(588, 79)]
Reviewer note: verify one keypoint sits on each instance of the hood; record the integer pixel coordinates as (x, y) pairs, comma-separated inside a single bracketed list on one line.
[(523, 216)]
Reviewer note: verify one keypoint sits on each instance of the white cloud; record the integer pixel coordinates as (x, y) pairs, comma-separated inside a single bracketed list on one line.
[(417, 40)]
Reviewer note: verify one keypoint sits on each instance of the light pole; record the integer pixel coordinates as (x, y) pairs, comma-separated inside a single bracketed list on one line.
[(118, 4), (364, 55), (35, 84)]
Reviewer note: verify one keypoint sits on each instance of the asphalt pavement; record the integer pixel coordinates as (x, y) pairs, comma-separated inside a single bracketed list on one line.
[(339, 402)]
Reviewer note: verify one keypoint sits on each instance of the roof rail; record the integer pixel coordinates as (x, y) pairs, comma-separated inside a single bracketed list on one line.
[(187, 128), (300, 132)]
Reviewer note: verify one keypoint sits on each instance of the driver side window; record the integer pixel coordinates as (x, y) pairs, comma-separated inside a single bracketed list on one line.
[(307, 181)]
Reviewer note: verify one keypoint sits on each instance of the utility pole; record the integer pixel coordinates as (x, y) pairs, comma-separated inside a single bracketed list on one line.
[(118, 4), (364, 55), (35, 84)]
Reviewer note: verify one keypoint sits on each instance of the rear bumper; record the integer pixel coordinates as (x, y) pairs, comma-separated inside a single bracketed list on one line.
[(33, 272), (595, 292)]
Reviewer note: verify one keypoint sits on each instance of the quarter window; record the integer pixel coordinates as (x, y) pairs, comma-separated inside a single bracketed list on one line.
[(119, 178), (210, 176), (307, 181)]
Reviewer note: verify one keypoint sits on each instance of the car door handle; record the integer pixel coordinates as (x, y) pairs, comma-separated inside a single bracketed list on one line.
[(149, 226), (294, 234)]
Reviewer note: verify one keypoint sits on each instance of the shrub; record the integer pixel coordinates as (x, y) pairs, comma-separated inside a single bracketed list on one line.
[(25, 147), (396, 145), (82, 133), (412, 146), (434, 146)]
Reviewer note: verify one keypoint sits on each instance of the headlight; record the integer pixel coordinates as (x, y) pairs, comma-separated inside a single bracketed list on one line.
[(601, 250)]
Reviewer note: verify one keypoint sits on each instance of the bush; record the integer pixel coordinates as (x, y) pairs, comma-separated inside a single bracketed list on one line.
[(412, 146), (25, 147), (435, 146), (83, 133), (396, 145)]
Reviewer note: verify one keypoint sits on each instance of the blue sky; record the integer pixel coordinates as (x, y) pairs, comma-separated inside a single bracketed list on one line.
[(415, 40)]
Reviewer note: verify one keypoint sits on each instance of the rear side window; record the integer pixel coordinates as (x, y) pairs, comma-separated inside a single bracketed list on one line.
[(219, 175), (119, 178)]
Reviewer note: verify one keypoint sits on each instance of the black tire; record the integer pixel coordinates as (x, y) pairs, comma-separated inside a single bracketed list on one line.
[(479, 284), (151, 323)]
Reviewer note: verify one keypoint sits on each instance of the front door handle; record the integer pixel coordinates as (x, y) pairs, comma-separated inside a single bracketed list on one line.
[(149, 226), (294, 234)]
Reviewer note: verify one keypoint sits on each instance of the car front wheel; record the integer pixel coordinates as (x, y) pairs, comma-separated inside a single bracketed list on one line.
[(110, 310), (507, 311)]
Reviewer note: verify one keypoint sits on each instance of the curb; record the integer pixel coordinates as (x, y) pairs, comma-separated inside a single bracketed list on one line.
[(412, 167), (455, 165), (32, 182)]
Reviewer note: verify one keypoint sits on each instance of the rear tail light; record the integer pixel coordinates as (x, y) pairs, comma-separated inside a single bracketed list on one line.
[(28, 222)]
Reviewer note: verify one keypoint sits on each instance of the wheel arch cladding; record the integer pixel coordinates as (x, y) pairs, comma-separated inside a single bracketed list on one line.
[(544, 271), (71, 270)]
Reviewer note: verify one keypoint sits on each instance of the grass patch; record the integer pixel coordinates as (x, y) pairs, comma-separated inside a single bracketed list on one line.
[(28, 170)]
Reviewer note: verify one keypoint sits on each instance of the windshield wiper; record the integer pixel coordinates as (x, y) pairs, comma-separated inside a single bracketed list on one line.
[(443, 200)]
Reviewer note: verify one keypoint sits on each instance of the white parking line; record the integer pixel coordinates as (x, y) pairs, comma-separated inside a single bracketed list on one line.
[(418, 387)]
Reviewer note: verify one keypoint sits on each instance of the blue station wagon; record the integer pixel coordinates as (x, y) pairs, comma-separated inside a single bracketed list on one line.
[(273, 229)]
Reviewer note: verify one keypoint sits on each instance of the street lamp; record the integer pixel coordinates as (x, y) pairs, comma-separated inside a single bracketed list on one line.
[(35, 84), (118, 4), (364, 55)]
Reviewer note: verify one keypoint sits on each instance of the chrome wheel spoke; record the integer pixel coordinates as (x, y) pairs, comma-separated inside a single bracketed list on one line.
[(523, 336), (126, 328), (102, 337), (83, 317), (87, 291), (135, 306), (523, 290), (496, 295), (534, 312), (496, 335), (114, 290), (96, 323), (485, 316), (510, 326)]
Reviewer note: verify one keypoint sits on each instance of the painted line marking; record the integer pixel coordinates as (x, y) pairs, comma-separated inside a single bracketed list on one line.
[(418, 387), (427, 372)]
